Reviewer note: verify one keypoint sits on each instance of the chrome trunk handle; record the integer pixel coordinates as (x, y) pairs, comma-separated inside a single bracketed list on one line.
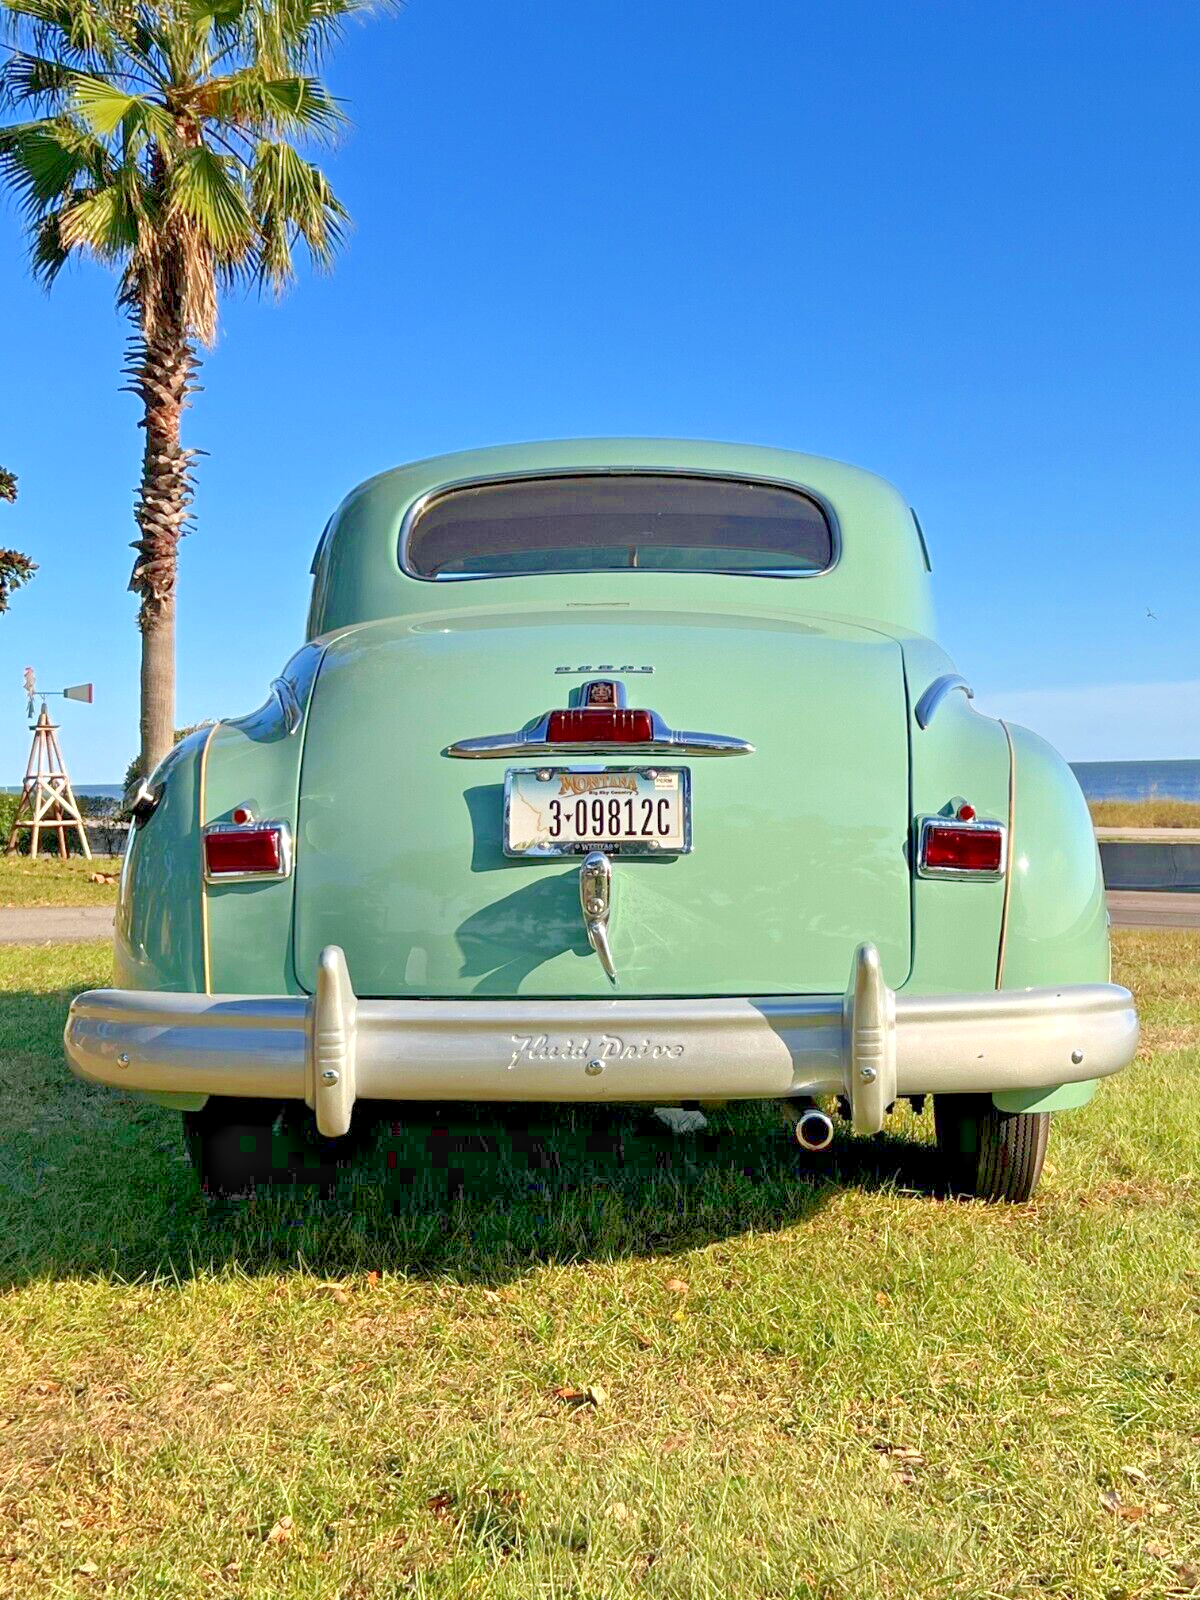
[(595, 899)]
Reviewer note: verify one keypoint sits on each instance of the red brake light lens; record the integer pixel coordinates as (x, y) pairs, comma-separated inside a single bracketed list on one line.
[(229, 851), (599, 725), (951, 847)]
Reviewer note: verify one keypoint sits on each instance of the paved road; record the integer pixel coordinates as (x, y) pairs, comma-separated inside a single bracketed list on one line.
[(1141, 908), (1131, 908), (36, 924)]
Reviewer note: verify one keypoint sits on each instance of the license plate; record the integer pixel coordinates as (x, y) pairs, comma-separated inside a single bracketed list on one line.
[(567, 811)]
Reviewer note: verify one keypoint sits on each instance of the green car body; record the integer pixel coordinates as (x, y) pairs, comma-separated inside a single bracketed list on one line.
[(803, 850)]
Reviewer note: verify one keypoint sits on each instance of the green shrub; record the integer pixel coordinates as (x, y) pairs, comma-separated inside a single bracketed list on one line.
[(89, 805)]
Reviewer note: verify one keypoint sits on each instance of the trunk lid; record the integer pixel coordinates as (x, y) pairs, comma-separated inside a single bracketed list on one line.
[(799, 850)]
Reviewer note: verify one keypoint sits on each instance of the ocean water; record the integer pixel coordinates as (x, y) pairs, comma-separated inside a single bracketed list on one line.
[(1099, 780), (1138, 780), (99, 791)]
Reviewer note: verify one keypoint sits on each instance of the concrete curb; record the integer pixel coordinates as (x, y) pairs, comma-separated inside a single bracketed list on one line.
[(1135, 865)]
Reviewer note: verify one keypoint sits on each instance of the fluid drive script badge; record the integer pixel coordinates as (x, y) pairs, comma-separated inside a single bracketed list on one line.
[(606, 1047)]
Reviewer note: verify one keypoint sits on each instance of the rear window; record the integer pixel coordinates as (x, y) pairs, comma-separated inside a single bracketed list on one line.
[(611, 522)]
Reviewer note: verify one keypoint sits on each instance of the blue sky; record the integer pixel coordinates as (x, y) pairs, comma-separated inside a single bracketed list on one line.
[(956, 243)]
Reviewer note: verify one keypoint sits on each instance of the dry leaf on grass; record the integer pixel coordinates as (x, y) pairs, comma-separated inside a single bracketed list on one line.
[(281, 1532), (675, 1286), (619, 1511), (440, 1504), (898, 1453), (1134, 1474), (592, 1395), (1111, 1501), (224, 1387), (673, 1441)]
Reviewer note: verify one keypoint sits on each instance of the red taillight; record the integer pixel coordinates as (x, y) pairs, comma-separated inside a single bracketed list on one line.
[(599, 725), (238, 851), (952, 847)]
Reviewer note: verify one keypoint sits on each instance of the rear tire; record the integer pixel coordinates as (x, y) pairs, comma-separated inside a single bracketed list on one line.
[(994, 1155), (232, 1145)]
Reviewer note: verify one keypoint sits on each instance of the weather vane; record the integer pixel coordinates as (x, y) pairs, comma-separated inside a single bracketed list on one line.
[(47, 800), (77, 691)]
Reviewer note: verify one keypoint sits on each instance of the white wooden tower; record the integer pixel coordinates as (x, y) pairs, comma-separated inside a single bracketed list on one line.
[(47, 801)]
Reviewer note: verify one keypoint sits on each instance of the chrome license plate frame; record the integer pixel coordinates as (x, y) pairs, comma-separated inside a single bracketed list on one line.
[(649, 784)]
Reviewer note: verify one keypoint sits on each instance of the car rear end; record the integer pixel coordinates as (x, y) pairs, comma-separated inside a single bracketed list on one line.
[(633, 780)]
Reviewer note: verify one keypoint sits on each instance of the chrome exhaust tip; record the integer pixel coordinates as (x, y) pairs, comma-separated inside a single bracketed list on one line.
[(814, 1130)]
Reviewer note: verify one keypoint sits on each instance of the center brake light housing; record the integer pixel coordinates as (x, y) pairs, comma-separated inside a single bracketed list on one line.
[(603, 724), (953, 847), (247, 852)]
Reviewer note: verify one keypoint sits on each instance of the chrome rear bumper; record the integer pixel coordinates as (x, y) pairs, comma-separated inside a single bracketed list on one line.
[(872, 1046)]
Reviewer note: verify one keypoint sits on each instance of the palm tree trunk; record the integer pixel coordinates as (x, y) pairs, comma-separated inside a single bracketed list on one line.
[(158, 684), (161, 366)]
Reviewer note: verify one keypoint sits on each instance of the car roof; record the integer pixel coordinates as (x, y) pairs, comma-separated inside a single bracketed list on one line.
[(880, 572)]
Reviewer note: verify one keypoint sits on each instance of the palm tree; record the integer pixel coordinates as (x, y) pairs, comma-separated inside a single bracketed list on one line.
[(15, 569), (165, 139)]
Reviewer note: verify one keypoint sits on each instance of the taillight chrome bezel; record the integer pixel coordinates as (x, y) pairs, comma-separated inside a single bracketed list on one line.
[(933, 825), (254, 875)]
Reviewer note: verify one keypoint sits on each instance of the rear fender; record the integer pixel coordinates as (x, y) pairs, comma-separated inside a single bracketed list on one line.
[(174, 931), (254, 761), (1057, 927), (959, 755)]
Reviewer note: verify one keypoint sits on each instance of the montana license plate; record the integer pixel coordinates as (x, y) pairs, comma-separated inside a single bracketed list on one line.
[(567, 811)]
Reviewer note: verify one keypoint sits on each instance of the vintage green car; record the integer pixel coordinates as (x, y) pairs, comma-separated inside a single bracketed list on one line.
[(615, 771)]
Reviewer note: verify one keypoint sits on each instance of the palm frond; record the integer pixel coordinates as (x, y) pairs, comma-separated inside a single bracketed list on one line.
[(105, 107), (294, 104), (100, 222), (42, 161), (47, 253), (35, 82), (81, 32), (204, 187), (292, 199)]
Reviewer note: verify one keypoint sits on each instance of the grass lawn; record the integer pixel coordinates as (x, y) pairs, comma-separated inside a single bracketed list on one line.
[(50, 881), (805, 1380), (1145, 813)]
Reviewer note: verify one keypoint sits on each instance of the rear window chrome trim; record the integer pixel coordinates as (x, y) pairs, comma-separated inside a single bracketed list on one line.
[(752, 479)]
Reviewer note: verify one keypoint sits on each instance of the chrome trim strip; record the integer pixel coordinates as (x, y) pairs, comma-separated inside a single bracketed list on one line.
[(285, 851), (423, 501), (201, 813), (981, 825), (1002, 947), (653, 1051), (937, 691), (535, 742)]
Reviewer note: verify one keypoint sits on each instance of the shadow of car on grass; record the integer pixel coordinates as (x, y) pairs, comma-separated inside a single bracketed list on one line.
[(94, 1182)]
